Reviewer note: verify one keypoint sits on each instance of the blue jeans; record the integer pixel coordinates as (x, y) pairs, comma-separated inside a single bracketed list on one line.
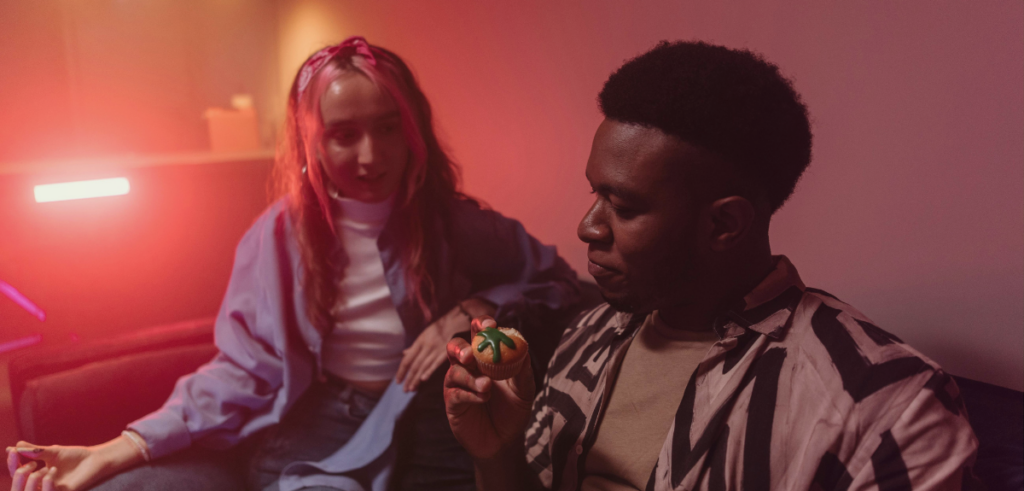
[(322, 421)]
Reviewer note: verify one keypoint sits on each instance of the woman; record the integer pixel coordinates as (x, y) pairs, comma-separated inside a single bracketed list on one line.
[(341, 300)]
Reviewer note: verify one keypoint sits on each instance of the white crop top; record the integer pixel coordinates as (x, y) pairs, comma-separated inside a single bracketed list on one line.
[(367, 340)]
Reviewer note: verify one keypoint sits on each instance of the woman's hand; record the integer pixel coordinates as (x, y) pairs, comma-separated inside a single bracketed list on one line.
[(67, 468), (474, 402), (428, 350)]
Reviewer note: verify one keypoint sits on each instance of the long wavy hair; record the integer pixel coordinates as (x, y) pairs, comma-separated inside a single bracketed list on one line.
[(431, 182)]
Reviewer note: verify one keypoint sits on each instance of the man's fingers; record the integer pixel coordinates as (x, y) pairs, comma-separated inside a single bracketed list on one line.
[(458, 400), (454, 349), (460, 378), (481, 323), (523, 385)]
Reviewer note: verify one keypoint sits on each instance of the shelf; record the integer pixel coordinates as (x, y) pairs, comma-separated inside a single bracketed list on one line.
[(130, 161)]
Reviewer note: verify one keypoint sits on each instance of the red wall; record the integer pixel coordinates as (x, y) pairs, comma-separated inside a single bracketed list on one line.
[(99, 267), (913, 208)]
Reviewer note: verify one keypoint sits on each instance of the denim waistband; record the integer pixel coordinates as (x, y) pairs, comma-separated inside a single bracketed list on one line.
[(345, 390)]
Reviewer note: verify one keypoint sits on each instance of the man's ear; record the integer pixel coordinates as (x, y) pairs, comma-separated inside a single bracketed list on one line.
[(732, 218)]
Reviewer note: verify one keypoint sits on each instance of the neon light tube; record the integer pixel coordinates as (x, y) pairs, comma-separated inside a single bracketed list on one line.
[(95, 188), (20, 299)]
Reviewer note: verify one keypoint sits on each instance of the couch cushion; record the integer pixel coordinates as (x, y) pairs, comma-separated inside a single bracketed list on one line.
[(93, 403)]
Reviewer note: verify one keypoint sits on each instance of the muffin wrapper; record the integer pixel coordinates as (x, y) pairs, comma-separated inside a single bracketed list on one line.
[(501, 372)]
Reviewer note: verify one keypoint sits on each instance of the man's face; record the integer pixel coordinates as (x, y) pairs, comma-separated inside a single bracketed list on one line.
[(643, 228)]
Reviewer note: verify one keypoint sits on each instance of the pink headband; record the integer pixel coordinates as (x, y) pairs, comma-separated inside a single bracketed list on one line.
[(355, 45)]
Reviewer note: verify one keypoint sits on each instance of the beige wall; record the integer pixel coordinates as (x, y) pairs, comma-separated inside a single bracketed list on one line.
[(108, 77)]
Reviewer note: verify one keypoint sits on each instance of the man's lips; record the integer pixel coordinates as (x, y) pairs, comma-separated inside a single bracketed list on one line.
[(597, 270)]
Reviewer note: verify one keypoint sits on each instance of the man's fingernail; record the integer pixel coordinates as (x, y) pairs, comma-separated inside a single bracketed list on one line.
[(28, 450), (480, 384)]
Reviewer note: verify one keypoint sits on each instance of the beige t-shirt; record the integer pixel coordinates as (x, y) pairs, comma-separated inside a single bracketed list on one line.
[(643, 403)]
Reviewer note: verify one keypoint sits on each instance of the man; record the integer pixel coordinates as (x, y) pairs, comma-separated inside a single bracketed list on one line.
[(711, 366)]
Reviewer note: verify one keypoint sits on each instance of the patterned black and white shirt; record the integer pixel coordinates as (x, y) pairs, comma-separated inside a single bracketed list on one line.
[(800, 392)]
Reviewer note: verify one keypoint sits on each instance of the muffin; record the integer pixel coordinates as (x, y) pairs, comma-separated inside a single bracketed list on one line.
[(500, 352)]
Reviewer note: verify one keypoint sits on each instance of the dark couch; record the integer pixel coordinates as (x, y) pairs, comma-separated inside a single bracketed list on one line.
[(86, 394)]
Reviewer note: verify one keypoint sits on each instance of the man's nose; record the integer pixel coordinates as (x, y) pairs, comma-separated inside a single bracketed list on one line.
[(592, 227)]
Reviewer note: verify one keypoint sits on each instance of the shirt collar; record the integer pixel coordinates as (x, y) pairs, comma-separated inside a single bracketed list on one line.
[(768, 308)]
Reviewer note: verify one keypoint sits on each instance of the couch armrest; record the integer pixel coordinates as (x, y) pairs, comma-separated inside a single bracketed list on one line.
[(86, 394)]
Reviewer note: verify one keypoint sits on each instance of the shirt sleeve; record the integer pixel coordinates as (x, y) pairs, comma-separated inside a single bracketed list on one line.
[(242, 380), (538, 437), (507, 266), (931, 446)]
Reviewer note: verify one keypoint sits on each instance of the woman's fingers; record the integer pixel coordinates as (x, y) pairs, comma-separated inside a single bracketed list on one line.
[(407, 359), (430, 364), (49, 479), (414, 372), (424, 366), (12, 461), (21, 476), (436, 362), (35, 479), (34, 452)]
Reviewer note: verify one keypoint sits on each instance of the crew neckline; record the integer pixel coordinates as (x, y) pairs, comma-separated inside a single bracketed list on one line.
[(666, 331)]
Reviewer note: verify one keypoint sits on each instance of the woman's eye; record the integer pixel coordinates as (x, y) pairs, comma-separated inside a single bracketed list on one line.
[(390, 128), (345, 135)]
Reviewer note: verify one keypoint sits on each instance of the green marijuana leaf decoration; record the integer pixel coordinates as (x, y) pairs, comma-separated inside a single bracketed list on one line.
[(494, 338)]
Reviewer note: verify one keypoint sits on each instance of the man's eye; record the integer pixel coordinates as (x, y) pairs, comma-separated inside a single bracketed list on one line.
[(624, 212)]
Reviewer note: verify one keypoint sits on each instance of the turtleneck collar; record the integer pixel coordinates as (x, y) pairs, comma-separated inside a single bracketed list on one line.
[(359, 214)]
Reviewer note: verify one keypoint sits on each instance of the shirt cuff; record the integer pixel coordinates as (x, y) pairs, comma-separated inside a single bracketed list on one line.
[(164, 433)]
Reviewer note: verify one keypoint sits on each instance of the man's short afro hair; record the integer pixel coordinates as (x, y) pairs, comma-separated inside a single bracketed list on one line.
[(731, 102)]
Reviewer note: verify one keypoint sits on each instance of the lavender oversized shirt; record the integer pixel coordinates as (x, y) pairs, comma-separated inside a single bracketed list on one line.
[(270, 352)]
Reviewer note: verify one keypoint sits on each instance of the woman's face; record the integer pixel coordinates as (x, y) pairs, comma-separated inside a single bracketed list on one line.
[(365, 152)]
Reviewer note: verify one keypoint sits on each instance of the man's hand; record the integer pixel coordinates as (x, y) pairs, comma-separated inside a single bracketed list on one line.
[(486, 416)]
